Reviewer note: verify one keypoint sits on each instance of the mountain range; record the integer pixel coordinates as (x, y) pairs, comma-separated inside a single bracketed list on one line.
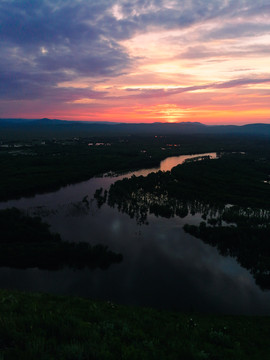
[(94, 128)]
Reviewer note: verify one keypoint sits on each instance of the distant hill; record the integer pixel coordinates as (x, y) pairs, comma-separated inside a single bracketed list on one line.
[(46, 121), (51, 127)]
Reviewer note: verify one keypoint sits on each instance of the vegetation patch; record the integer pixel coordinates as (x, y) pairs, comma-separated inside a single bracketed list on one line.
[(232, 179), (27, 242), (243, 235), (207, 187), (40, 326), (45, 165)]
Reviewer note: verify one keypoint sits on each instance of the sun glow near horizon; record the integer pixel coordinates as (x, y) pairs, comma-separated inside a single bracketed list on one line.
[(168, 62)]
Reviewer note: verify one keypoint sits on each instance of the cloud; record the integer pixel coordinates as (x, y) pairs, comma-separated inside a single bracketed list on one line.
[(21, 85), (157, 93), (48, 42), (237, 30), (235, 50), (240, 82)]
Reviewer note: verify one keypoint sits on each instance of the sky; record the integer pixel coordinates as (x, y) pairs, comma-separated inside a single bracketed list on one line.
[(136, 60)]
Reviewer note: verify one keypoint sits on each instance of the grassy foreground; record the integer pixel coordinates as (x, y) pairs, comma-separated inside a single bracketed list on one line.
[(41, 326)]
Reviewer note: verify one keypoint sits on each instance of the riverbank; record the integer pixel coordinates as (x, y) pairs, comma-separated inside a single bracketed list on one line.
[(27, 242), (28, 168), (42, 326), (45, 168)]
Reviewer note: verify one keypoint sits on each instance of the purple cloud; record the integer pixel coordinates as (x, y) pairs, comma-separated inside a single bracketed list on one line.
[(47, 42), (160, 93)]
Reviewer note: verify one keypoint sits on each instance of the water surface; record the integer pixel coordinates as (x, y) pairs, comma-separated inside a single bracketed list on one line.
[(163, 266)]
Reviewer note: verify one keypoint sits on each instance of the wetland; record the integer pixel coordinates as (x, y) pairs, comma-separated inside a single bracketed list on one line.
[(169, 259)]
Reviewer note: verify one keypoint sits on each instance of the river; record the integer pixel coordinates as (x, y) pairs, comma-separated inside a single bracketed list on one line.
[(162, 266)]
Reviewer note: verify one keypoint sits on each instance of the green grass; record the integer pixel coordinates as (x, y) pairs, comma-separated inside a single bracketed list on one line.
[(40, 326)]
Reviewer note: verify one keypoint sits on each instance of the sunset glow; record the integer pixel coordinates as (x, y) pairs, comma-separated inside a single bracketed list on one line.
[(136, 61)]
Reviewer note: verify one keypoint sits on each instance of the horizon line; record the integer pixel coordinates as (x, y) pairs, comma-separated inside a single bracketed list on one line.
[(104, 122)]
